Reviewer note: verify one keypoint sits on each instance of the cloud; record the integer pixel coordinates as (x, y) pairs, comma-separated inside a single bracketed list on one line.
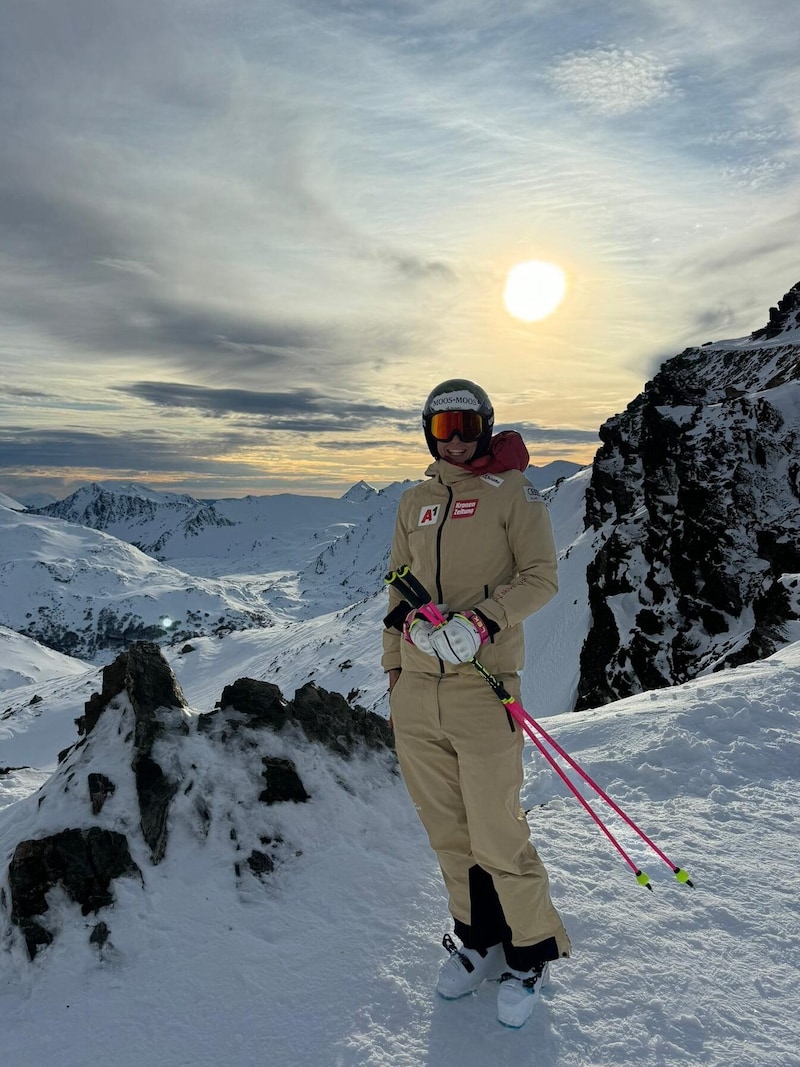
[(535, 433), (721, 317), (317, 198), (384, 443), (21, 448), (415, 268), (748, 245), (168, 192), (298, 410), (27, 394), (612, 81)]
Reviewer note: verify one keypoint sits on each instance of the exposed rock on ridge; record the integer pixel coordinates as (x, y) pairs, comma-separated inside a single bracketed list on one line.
[(696, 494), (144, 766)]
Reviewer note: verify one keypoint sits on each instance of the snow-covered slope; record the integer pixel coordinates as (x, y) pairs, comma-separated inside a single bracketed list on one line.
[(251, 535), (25, 662), (81, 591), (331, 957), (555, 635), (9, 502), (546, 476)]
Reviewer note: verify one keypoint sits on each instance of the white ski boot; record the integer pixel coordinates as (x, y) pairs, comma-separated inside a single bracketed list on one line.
[(519, 994), (465, 969)]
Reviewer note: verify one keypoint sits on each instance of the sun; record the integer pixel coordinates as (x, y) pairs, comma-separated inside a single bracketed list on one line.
[(534, 290)]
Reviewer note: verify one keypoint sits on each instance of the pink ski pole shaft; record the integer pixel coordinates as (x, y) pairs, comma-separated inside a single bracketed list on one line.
[(641, 877), (434, 616), (680, 874)]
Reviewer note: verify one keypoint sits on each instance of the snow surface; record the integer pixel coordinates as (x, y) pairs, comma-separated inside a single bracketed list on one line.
[(333, 960), (9, 502), (25, 662), (58, 578)]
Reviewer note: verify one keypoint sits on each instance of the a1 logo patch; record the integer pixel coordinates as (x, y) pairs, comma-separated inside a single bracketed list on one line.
[(463, 509), (428, 515)]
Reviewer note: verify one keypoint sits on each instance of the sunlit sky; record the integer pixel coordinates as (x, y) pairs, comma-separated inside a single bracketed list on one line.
[(240, 241)]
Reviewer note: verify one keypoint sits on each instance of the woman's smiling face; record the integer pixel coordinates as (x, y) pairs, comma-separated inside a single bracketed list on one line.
[(455, 450)]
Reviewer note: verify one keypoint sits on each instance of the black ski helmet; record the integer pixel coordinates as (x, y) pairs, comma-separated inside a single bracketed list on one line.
[(459, 394)]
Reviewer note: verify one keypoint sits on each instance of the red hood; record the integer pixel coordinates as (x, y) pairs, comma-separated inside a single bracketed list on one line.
[(507, 452)]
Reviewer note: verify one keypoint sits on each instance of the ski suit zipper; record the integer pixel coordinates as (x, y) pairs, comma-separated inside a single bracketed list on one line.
[(439, 592)]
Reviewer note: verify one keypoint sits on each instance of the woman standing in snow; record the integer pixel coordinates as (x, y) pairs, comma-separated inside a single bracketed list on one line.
[(477, 535)]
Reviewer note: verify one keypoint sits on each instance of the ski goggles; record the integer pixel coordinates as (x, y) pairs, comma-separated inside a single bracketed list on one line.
[(469, 425)]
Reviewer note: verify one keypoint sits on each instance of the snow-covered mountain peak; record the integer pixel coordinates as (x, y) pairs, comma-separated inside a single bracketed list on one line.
[(784, 320), (10, 503), (142, 492), (360, 492)]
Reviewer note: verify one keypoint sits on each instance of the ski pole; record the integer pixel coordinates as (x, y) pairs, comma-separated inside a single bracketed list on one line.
[(680, 874), (641, 876), (413, 590), (419, 597)]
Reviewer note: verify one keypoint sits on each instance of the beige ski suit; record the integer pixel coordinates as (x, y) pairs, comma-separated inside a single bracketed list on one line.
[(481, 542)]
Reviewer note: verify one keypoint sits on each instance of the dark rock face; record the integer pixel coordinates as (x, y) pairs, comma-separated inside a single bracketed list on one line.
[(283, 782), (323, 716), (696, 490), (83, 862), (786, 316), (260, 863), (100, 789), (143, 673)]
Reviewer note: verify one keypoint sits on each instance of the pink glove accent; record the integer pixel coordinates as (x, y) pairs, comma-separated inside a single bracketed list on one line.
[(478, 623)]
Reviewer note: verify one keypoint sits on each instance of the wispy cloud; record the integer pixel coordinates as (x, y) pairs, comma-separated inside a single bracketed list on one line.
[(612, 81)]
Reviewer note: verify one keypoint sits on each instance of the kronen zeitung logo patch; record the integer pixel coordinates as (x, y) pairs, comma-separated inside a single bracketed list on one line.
[(463, 509)]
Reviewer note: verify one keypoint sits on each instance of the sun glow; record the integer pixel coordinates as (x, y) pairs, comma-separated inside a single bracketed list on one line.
[(534, 290)]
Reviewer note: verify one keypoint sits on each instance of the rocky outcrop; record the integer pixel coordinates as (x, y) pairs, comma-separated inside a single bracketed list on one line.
[(143, 764), (695, 494), (157, 702), (322, 716), (784, 317), (82, 862)]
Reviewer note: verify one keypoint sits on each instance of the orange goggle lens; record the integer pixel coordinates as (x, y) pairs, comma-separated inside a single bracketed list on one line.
[(467, 424)]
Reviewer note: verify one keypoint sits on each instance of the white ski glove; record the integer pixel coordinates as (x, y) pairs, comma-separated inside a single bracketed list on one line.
[(460, 638), (417, 630)]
